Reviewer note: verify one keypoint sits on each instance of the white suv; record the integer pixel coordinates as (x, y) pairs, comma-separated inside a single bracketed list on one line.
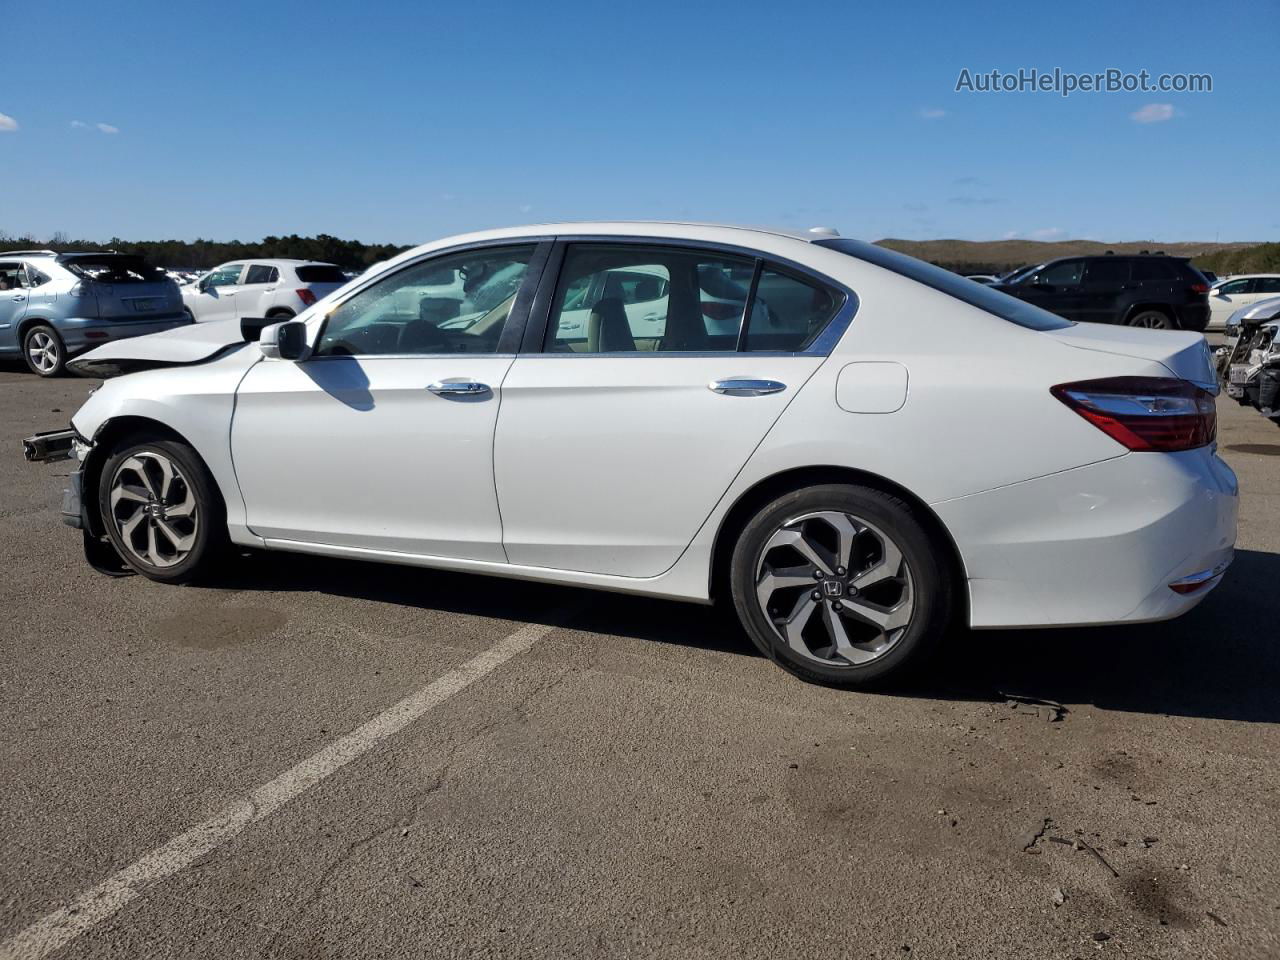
[(1234, 293), (279, 289)]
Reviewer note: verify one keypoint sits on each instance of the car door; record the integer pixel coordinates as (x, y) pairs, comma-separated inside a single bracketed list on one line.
[(1056, 287), (613, 448), (253, 296), (214, 297), (1106, 290), (382, 438), (13, 303), (1227, 297)]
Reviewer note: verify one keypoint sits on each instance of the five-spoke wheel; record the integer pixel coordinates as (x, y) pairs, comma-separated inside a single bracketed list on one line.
[(43, 351)]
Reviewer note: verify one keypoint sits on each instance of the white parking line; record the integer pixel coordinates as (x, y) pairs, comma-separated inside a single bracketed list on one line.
[(111, 895)]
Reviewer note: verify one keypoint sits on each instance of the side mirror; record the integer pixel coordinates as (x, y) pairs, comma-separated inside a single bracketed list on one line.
[(284, 341)]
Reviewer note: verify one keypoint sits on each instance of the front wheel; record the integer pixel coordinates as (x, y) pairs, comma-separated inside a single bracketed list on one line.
[(44, 351), (161, 510), (841, 584)]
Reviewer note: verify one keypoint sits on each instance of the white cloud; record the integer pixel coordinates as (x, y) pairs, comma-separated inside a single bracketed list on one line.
[(1153, 113), (1048, 233), (932, 113), (107, 128), (1013, 235), (78, 125), (7, 123)]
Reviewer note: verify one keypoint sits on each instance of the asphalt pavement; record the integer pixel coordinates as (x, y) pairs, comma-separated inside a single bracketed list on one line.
[(321, 758)]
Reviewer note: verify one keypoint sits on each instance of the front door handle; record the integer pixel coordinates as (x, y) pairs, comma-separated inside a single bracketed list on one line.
[(19, 298), (458, 388), (746, 387)]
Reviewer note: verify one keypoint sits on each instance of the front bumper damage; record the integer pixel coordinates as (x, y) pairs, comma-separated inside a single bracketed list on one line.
[(53, 446)]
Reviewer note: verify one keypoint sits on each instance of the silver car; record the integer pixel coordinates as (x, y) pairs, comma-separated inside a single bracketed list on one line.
[(55, 305)]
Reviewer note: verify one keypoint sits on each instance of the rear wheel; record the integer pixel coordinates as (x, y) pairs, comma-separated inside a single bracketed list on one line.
[(161, 510), (44, 351), (1151, 319), (841, 585)]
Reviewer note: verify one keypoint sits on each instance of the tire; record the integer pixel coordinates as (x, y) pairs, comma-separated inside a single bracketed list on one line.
[(170, 532), (280, 316), (191, 317), (898, 575), (1152, 320), (44, 351)]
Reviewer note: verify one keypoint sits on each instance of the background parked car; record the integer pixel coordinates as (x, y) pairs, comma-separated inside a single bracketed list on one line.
[(55, 305), (279, 289), (984, 278), (1140, 291), (1228, 296)]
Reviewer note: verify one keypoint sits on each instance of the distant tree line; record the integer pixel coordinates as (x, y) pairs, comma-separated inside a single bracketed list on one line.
[(202, 254), (1263, 258)]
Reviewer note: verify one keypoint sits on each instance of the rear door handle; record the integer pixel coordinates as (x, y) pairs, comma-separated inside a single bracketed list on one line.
[(746, 387), (458, 388)]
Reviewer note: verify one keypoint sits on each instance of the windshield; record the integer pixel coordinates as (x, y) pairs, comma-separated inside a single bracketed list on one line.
[(975, 294), (113, 268), (1018, 275)]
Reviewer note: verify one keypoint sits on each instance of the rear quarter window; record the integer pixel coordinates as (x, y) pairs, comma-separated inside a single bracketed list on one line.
[(944, 281)]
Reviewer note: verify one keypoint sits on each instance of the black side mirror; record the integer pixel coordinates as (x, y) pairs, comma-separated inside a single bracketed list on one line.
[(284, 341)]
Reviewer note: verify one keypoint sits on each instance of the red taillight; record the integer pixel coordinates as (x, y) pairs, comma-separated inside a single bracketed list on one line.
[(1145, 413), (1199, 288), (306, 296)]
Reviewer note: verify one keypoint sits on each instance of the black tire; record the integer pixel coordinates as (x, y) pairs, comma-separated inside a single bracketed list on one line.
[(208, 543), (1152, 319), (925, 582), (45, 342), (280, 316), (191, 317)]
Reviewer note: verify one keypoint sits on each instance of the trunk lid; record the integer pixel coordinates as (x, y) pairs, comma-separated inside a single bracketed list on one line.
[(125, 287), (1183, 353)]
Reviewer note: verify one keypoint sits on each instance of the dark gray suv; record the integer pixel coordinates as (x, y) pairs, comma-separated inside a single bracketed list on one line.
[(55, 305)]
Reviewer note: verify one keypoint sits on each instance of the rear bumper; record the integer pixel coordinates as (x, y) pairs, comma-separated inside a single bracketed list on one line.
[(1098, 544), (84, 333)]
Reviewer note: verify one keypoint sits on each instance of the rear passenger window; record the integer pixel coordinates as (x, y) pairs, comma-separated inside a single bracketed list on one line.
[(1150, 270), (1266, 285), (260, 273), (1106, 271), (788, 313), (635, 298), (643, 299)]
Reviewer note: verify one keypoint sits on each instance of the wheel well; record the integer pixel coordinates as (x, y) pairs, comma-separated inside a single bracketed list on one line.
[(109, 436), (769, 489), (28, 322), (1137, 308), (281, 312)]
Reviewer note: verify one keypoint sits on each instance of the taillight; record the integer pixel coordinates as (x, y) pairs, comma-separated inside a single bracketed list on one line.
[(1145, 413), (306, 296), (1199, 288)]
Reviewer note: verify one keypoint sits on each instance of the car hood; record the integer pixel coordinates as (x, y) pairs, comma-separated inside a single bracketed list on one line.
[(194, 343), (1181, 352), (1261, 310)]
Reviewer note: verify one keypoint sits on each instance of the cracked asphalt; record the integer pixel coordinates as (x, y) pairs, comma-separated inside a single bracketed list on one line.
[(639, 783)]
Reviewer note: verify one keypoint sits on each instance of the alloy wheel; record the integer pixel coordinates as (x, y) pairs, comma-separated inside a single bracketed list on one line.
[(154, 509), (43, 351), (836, 588), (1152, 320)]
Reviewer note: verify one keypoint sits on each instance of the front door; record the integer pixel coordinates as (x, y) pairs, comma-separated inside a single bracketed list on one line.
[(616, 441), (1056, 288), (1228, 297), (215, 295), (13, 303), (382, 439)]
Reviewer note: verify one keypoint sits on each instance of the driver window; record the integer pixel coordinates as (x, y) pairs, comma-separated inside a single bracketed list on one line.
[(452, 304), (1061, 274), (226, 276)]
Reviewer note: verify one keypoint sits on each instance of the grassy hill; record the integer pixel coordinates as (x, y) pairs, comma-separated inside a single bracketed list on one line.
[(996, 256)]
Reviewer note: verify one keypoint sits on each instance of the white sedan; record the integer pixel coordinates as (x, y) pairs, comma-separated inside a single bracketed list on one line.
[(882, 450)]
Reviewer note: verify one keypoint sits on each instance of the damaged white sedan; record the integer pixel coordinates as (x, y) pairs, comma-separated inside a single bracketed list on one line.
[(851, 448)]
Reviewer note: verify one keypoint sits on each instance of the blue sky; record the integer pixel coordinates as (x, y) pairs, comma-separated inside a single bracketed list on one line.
[(407, 121)]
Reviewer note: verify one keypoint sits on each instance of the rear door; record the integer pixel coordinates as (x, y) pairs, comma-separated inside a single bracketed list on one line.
[(619, 433), (253, 297), (1106, 290)]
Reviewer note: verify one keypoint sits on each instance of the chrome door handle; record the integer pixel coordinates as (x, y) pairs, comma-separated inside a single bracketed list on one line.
[(746, 387), (19, 298), (456, 388)]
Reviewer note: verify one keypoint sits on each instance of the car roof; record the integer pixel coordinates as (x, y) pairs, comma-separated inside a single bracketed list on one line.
[(281, 262)]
